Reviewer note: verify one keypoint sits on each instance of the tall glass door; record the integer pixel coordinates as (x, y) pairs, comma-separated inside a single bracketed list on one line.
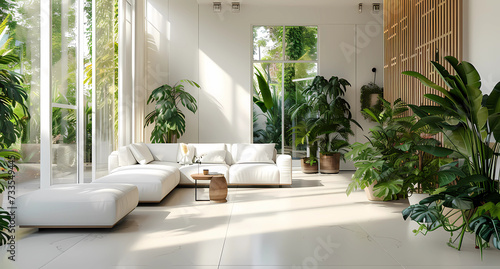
[(64, 91)]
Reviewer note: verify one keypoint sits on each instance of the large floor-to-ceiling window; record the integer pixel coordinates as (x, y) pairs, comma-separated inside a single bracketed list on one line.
[(22, 35), (68, 58), (287, 58)]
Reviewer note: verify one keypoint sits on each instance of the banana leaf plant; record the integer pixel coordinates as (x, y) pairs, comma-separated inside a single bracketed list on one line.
[(168, 119), (263, 97), (470, 124)]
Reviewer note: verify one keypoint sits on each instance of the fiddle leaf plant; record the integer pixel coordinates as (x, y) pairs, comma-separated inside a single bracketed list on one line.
[(168, 119)]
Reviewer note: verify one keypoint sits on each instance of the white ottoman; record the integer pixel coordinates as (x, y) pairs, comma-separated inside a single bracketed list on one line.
[(153, 184), (77, 206)]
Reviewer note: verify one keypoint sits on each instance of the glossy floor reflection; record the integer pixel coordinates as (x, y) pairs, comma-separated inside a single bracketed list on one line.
[(313, 224)]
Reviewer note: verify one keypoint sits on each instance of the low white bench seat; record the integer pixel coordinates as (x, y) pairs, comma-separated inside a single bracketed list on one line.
[(153, 183), (77, 206)]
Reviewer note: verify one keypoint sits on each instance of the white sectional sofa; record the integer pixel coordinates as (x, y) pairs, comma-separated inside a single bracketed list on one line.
[(155, 168)]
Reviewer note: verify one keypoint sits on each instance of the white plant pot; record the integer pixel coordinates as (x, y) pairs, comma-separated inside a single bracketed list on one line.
[(415, 198), (370, 195)]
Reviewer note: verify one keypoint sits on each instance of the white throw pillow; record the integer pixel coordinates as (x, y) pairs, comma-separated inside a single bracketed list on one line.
[(141, 153), (164, 152), (215, 156), (253, 153), (191, 150), (125, 157)]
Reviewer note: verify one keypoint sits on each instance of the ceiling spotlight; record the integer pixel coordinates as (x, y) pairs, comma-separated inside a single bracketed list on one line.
[(217, 7), (376, 7), (235, 7), (360, 7)]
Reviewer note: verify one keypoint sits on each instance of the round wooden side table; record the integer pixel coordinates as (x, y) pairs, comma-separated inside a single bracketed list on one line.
[(217, 189)]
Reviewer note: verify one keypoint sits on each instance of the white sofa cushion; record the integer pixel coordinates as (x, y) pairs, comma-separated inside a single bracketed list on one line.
[(164, 152), (141, 153), (254, 173), (167, 166), (214, 156), (76, 205), (202, 149), (253, 153), (125, 156)]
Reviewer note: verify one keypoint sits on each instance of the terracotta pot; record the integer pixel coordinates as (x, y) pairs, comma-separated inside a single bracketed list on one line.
[(307, 168), (329, 164)]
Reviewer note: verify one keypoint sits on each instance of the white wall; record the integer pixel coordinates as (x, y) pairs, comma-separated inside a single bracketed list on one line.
[(215, 49), (482, 39)]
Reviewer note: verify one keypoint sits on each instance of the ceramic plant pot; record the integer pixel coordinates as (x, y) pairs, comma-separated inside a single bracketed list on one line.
[(329, 164), (370, 195), (307, 168)]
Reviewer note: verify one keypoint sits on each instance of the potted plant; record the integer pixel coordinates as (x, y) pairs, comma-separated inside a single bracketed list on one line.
[(169, 121), (369, 98), (12, 95), (390, 166), (332, 150), (330, 117), (306, 133), (470, 124)]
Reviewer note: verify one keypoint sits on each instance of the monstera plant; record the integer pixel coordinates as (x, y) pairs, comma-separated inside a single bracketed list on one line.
[(469, 122), (168, 119), (12, 95)]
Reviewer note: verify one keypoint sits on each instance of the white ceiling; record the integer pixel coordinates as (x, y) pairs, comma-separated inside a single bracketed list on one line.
[(311, 3)]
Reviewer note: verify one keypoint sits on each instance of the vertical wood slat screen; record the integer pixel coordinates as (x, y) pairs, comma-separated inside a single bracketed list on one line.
[(415, 31)]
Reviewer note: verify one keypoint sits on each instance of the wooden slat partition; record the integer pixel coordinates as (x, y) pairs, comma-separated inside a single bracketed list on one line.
[(414, 30)]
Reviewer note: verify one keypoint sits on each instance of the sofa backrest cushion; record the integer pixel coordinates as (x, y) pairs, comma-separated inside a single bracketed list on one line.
[(141, 153), (212, 151), (253, 153), (164, 152), (214, 156), (125, 156)]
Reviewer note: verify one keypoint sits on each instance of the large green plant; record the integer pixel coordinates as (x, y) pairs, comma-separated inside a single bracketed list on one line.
[(168, 119), (335, 117), (12, 95), (470, 124), (327, 112), (269, 102), (391, 157)]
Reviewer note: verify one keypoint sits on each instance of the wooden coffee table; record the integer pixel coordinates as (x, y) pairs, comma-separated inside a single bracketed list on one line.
[(218, 187)]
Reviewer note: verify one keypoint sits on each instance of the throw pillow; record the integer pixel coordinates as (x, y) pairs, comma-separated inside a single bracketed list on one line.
[(253, 153), (125, 157), (215, 156), (141, 153), (191, 150)]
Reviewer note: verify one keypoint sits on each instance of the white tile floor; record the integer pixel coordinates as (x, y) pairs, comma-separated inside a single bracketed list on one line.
[(311, 225)]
